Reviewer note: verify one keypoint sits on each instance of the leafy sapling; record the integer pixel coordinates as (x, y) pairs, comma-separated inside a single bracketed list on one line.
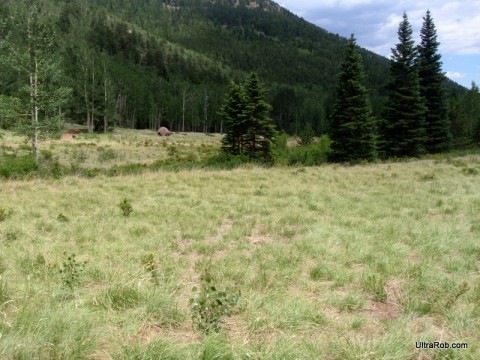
[(71, 271), (210, 305), (126, 207)]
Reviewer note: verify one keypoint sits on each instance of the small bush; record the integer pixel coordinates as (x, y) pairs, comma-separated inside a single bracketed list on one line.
[(470, 171), (13, 166), (79, 156), (4, 297), (107, 155), (3, 214), (312, 154), (376, 286), (209, 305), (150, 265), (120, 297), (71, 270), (126, 207), (62, 218)]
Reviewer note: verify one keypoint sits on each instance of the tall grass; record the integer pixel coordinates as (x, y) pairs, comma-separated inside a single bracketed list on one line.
[(332, 262)]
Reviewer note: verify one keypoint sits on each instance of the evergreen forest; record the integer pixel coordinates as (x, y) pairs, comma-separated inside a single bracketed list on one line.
[(151, 63)]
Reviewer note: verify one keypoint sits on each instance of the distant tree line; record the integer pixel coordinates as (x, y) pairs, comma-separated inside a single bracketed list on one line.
[(418, 117), (146, 64)]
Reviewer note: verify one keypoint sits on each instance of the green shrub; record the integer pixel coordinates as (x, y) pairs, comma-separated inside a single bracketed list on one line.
[(312, 154), (62, 218), (119, 297), (4, 297), (3, 214), (150, 265), (210, 305), (13, 166), (126, 207), (79, 156), (71, 270), (107, 155), (375, 285)]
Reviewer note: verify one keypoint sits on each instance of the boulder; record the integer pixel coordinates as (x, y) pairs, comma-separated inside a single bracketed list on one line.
[(163, 131)]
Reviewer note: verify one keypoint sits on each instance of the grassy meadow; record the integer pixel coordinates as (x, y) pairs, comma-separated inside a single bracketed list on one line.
[(332, 262)]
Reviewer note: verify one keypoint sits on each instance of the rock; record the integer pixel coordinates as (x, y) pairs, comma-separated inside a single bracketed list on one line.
[(163, 131)]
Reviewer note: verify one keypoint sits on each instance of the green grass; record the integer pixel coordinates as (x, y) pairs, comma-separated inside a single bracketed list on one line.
[(332, 262)]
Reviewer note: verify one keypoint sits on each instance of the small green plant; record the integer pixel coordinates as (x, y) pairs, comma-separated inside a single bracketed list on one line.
[(106, 155), (3, 214), (3, 293), (126, 207), (209, 305), (427, 177), (376, 286), (150, 265), (259, 190), (470, 171), (120, 297), (62, 218), (79, 156), (172, 151), (71, 271), (462, 289)]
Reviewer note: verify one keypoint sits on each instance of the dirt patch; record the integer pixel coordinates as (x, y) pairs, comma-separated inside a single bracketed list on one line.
[(237, 329), (70, 136), (11, 144), (226, 226), (149, 332), (258, 236), (392, 308)]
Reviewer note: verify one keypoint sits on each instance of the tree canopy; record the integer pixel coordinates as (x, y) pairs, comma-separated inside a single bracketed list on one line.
[(249, 128), (352, 129), (437, 124), (403, 128)]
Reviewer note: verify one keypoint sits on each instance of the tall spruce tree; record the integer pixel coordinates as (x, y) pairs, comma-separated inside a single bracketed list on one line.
[(352, 128), (248, 126), (234, 112), (403, 128), (260, 131), (439, 137)]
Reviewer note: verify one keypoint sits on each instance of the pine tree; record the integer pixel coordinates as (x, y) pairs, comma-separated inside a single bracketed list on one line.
[(403, 129), (352, 127), (248, 126), (260, 131), (439, 137), (234, 112)]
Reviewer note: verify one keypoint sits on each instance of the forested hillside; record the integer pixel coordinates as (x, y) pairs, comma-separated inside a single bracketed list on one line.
[(146, 63)]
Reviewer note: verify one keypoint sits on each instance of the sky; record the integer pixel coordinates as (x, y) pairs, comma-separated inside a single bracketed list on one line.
[(375, 25)]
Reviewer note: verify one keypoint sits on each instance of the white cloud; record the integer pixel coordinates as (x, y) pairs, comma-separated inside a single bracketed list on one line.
[(454, 75), (375, 22)]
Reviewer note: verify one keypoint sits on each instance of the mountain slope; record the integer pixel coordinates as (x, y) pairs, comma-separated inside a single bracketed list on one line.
[(170, 62)]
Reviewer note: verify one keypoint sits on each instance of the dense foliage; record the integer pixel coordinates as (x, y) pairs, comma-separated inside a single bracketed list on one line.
[(403, 128), (439, 137), (146, 64), (248, 126), (143, 64), (353, 130)]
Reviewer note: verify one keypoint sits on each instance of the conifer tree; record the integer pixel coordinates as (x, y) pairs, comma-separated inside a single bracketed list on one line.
[(248, 126), (352, 128), (439, 137), (260, 129), (403, 128), (235, 113)]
